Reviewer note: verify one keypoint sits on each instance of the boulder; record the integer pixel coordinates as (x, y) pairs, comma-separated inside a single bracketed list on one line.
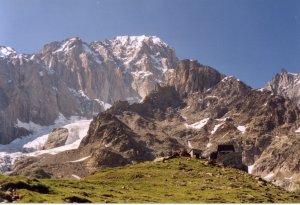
[(57, 138)]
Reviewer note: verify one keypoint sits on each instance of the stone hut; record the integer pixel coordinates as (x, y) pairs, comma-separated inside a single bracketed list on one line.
[(227, 156)]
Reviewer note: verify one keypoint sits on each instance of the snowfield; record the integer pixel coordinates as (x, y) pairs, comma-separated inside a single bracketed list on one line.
[(241, 128), (32, 145), (198, 125), (216, 127)]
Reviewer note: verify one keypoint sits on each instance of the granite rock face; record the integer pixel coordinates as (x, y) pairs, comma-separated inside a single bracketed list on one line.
[(74, 78)]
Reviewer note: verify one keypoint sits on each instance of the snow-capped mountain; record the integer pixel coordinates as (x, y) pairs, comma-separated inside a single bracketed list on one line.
[(199, 108), (75, 78), (195, 106), (286, 84)]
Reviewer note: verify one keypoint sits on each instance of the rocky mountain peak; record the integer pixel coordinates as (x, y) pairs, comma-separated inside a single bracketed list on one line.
[(286, 84), (191, 76), (64, 46), (138, 40), (78, 78)]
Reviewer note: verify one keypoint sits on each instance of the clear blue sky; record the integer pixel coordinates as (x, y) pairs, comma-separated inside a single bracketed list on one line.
[(250, 39)]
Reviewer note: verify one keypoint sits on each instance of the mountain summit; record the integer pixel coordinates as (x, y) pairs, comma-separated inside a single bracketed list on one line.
[(76, 78), (286, 84)]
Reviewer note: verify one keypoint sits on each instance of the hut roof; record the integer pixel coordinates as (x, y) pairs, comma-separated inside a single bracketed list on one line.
[(225, 148)]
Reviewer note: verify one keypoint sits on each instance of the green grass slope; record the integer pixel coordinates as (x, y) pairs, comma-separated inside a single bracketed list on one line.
[(180, 180)]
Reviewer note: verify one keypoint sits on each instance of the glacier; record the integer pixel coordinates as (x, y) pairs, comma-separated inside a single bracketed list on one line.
[(32, 145)]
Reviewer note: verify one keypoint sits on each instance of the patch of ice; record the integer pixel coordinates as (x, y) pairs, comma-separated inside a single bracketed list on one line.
[(198, 125), (80, 160), (216, 128), (241, 128), (41, 73)]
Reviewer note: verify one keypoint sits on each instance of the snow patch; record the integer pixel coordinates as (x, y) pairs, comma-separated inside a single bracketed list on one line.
[(76, 177), (198, 125), (105, 105), (216, 128), (209, 145), (125, 40), (261, 89), (269, 176), (66, 46), (141, 74), (6, 51), (79, 93), (80, 160), (298, 130), (294, 74), (250, 168), (241, 128), (222, 119), (227, 78), (289, 178)]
